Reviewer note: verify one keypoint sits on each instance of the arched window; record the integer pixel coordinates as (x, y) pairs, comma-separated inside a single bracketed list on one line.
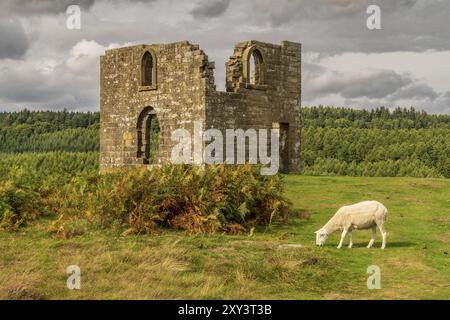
[(147, 135), (254, 67), (147, 69), (148, 73), (255, 74)]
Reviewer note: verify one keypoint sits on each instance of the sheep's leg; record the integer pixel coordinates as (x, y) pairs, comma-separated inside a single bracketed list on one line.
[(350, 245), (383, 235), (372, 240), (344, 233)]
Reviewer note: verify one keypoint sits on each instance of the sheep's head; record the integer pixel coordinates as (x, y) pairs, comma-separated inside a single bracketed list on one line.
[(321, 236)]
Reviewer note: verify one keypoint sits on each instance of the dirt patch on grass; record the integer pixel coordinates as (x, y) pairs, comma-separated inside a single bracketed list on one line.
[(445, 219), (21, 286), (257, 244), (20, 292), (300, 214)]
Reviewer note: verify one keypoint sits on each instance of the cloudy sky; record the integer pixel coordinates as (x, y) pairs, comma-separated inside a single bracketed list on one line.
[(43, 64)]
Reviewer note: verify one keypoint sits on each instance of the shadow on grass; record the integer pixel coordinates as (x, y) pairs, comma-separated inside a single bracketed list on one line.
[(399, 244)]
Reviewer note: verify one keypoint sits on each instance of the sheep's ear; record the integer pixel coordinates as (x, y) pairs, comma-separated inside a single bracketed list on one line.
[(316, 231)]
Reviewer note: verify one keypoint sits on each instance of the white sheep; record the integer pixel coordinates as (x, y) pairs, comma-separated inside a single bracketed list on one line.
[(362, 215)]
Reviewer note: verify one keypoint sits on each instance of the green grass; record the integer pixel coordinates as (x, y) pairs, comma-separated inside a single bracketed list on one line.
[(172, 265)]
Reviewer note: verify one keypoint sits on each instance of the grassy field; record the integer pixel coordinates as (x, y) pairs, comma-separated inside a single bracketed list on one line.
[(172, 265)]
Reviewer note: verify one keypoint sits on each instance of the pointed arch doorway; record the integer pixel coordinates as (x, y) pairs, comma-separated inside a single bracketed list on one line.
[(147, 136)]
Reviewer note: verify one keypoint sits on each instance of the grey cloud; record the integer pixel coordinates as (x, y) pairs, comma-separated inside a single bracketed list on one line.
[(377, 85), (25, 87), (336, 26), (288, 11), (415, 91), (373, 86), (26, 7), (13, 40), (370, 90), (319, 81), (443, 104), (446, 96), (210, 8), (42, 7), (398, 4), (72, 83)]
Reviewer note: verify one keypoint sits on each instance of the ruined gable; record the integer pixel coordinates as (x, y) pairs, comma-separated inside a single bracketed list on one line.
[(174, 84)]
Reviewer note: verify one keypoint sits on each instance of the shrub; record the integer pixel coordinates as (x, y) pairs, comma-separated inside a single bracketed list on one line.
[(30, 183), (214, 198), (19, 203), (195, 199)]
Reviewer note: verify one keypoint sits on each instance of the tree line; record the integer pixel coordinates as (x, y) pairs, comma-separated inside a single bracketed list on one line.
[(50, 120), (379, 118), (45, 131), (379, 142), (334, 141)]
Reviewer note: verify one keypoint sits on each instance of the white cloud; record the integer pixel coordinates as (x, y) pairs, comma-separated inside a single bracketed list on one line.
[(72, 83), (84, 56)]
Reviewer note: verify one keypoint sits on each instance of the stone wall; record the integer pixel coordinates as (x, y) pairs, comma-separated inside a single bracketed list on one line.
[(184, 92), (266, 105), (178, 97)]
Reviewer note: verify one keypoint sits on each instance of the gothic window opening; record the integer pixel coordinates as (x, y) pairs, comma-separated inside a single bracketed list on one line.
[(284, 147), (148, 70), (147, 136), (255, 68)]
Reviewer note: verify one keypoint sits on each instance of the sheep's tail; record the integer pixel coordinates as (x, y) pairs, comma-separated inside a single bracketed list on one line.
[(386, 211), (383, 209)]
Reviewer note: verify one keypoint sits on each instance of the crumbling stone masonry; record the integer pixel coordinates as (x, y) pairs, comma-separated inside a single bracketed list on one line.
[(174, 83)]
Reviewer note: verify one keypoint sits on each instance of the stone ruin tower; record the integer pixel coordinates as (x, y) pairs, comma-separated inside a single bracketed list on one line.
[(174, 83)]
